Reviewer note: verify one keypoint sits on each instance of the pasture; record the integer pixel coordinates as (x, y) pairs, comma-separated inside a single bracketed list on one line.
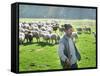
[(44, 56)]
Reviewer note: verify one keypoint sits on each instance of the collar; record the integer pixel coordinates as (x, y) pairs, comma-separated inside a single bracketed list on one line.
[(66, 37)]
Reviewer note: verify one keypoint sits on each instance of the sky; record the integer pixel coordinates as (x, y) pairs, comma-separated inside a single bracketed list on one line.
[(37, 11)]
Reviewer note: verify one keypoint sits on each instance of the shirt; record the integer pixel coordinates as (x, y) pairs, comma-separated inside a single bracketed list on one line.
[(72, 51)]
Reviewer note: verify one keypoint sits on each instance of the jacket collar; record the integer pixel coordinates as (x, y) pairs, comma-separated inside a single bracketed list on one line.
[(66, 37)]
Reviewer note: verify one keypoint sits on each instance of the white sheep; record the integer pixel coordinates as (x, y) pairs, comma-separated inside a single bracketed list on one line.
[(21, 37), (55, 37), (46, 37), (36, 35), (21, 29), (43, 28), (74, 36), (50, 29)]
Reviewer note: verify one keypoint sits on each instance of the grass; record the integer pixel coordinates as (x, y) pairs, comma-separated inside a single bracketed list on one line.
[(43, 56), (86, 46), (38, 56)]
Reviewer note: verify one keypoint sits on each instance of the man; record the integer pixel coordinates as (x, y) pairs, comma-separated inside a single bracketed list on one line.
[(68, 52)]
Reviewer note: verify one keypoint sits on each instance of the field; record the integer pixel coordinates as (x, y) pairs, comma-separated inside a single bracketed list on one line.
[(42, 56)]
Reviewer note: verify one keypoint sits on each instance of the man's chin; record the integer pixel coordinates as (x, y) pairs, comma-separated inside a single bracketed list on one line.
[(69, 35)]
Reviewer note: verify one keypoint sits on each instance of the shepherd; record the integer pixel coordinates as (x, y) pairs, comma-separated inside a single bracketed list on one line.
[(68, 53)]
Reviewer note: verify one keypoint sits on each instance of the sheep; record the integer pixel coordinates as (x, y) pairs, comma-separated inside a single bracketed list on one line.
[(94, 33), (79, 30), (43, 32), (39, 24), (25, 25), (34, 25), (21, 29), (28, 36), (87, 30), (36, 35), (20, 25), (47, 37), (35, 28), (21, 37), (30, 26), (43, 28), (26, 31), (55, 27), (49, 29), (74, 36), (61, 30), (55, 37)]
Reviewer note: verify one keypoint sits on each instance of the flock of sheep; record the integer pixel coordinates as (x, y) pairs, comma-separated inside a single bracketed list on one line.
[(86, 30), (38, 30), (45, 32)]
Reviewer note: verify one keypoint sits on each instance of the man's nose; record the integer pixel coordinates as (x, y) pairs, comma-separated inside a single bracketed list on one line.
[(71, 30)]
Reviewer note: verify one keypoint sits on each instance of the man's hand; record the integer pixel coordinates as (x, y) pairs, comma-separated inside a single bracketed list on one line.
[(67, 63)]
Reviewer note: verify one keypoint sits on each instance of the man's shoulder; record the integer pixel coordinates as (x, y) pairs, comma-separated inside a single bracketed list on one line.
[(61, 40)]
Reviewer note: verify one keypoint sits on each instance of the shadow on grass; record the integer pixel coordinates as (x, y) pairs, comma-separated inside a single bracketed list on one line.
[(43, 44), (40, 65)]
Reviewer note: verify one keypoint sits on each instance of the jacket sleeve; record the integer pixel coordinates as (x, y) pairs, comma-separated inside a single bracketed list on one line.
[(77, 54), (61, 52)]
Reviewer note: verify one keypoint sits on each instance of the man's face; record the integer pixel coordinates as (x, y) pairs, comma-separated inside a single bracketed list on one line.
[(69, 32)]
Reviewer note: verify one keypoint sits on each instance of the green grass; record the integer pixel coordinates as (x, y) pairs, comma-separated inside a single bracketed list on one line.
[(87, 48), (38, 56), (43, 56)]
